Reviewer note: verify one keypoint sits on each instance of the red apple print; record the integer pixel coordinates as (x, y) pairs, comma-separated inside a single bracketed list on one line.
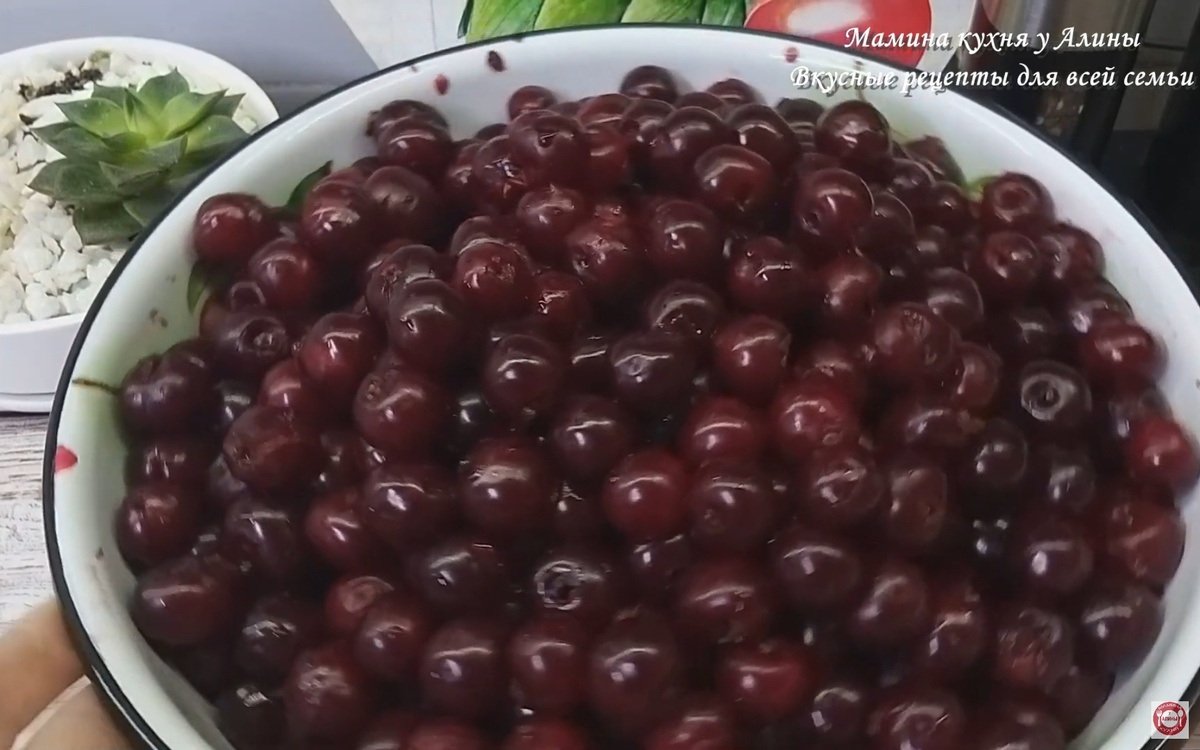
[(64, 458), (831, 21)]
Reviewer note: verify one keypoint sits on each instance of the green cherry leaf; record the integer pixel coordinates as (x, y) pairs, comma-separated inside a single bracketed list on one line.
[(201, 280), (975, 187), (142, 118), (73, 181), (213, 137), (102, 224), (228, 105), (100, 117), (146, 208), (159, 90), (187, 110), (296, 199), (72, 141)]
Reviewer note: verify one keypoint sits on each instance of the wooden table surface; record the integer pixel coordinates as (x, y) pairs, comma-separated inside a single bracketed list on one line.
[(24, 578)]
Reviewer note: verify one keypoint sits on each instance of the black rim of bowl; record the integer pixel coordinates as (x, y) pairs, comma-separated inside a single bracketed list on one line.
[(118, 704)]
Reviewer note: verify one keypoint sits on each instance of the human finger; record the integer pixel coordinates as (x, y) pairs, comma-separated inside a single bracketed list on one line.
[(37, 663), (78, 723)]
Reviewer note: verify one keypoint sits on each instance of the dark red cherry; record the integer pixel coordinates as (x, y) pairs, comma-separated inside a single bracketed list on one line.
[(607, 257), (724, 600), (338, 352), (393, 633), (341, 222), (812, 413), (651, 82), (460, 575), (830, 206), (416, 143), (855, 132), (1033, 646), (187, 601), (839, 487), (916, 502), (651, 370), (767, 681), (338, 534), (684, 240), (732, 507), (171, 392), (718, 427), (545, 217), (496, 178), (523, 377), (736, 183), (913, 343), (411, 207), (894, 609), (959, 634), (816, 570), (327, 696), (507, 487), (1053, 397), (634, 669), (157, 522), (1051, 555), (266, 540), (1119, 623), (271, 450), (919, 717), (550, 147), (462, 670), (750, 356), (1120, 355), (702, 722), (406, 504), (768, 276), (684, 135), (230, 227), (1017, 202), (1143, 538), (401, 412), (645, 496), (529, 99), (276, 630), (589, 435), (548, 660)]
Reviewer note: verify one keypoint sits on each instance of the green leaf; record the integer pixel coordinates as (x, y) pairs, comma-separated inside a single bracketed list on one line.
[(186, 172), (114, 94), (159, 90), (557, 14), (73, 181), (101, 224), (975, 187), (72, 141), (126, 143), (99, 117), (663, 11), (127, 182), (142, 119), (493, 18), (187, 110), (296, 199), (213, 137), (161, 156), (228, 105), (146, 208), (202, 278)]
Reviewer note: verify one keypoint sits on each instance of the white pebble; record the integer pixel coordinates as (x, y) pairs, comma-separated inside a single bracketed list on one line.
[(17, 317), (11, 294), (39, 303)]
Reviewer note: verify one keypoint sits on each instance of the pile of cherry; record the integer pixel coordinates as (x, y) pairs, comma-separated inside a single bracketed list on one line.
[(653, 420)]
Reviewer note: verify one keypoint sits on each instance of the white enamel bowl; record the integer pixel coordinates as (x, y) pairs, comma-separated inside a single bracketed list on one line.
[(79, 500), (34, 352)]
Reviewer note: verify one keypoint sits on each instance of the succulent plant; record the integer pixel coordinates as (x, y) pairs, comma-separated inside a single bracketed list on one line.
[(129, 151)]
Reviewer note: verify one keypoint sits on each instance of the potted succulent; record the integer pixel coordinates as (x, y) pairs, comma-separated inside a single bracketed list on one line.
[(96, 138)]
